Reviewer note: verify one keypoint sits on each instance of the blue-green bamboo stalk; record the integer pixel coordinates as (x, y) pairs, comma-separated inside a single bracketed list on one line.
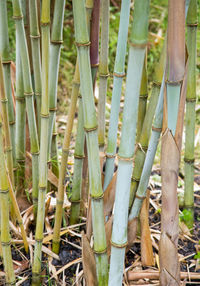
[(6, 61), (55, 49), (45, 28), (36, 57), (28, 92), (20, 123), (103, 71), (190, 112), (138, 43), (116, 94), (90, 125), (78, 167)]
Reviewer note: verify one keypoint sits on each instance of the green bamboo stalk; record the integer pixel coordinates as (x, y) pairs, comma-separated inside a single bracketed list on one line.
[(116, 93), (142, 100), (90, 125), (66, 144), (64, 158), (170, 153), (45, 28), (5, 234), (20, 124), (6, 61), (36, 58), (103, 71), (138, 40), (6, 127), (55, 49), (190, 112), (146, 128), (54, 152), (78, 167), (28, 92)]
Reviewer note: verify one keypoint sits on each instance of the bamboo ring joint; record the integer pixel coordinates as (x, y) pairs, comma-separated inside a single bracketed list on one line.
[(100, 251), (90, 129), (28, 94), (35, 36), (95, 65), (8, 62), (177, 82), (76, 156), (140, 197), (44, 115), (124, 158), (110, 156), (119, 245), (192, 24), (53, 109), (54, 133), (5, 243), (157, 83), (42, 188), (142, 148), (119, 74), (38, 240), (97, 197), (8, 149), (4, 100), (21, 160), (12, 122), (80, 96), (156, 129), (139, 46), (44, 23), (20, 17), (189, 161), (191, 99), (104, 75), (135, 180), (18, 98), (143, 96), (4, 192), (76, 83), (37, 94), (57, 42), (83, 44)]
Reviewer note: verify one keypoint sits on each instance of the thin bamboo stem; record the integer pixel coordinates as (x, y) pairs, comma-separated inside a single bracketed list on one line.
[(45, 28), (190, 112), (5, 234), (116, 93), (103, 71), (90, 125), (138, 39), (54, 152)]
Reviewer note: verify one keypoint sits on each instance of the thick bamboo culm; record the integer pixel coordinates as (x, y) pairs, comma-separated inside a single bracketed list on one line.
[(45, 29), (116, 93), (66, 143), (36, 57), (103, 71), (6, 127), (78, 167), (138, 43), (55, 49), (90, 125), (6, 61), (20, 123), (28, 92), (170, 152), (190, 112), (5, 234)]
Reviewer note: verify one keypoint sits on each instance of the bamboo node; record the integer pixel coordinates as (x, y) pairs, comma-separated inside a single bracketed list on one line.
[(44, 24), (4, 192), (142, 148), (124, 158), (119, 74), (98, 197), (82, 44), (192, 24), (104, 75), (135, 180), (39, 240), (19, 98), (191, 99), (66, 151), (143, 96), (90, 129), (16, 18), (59, 202), (8, 149), (4, 100), (53, 109), (42, 188), (157, 83), (20, 160), (12, 122), (100, 251), (35, 36), (177, 82), (77, 83), (156, 129), (80, 96), (118, 245), (54, 133), (76, 156), (189, 161), (38, 94), (44, 115), (7, 62), (57, 42), (95, 65), (140, 197), (110, 155), (28, 94), (139, 46)]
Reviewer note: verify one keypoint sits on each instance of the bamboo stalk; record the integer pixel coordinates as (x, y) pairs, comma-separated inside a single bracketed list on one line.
[(54, 152), (138, 39), (78, 167), (6, 62), (45, 28), (28, 92), (170, 153), (103, 71), (36, 57), (116, 93), (5, 234), (55, 49), (90, 125), (190, 112)]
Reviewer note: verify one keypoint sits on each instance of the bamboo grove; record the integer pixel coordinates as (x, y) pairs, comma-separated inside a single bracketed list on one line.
[(112, 162)]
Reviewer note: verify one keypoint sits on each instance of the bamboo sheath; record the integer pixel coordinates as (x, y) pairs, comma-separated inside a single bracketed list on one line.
[(66, 144), (45, 28), (116, 93), (126, 150), (55, 49), (103, 71), (36, 57), (90, 125), (190, 111), (28, 92), (5, 234), (6, 61), (170, 152)]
